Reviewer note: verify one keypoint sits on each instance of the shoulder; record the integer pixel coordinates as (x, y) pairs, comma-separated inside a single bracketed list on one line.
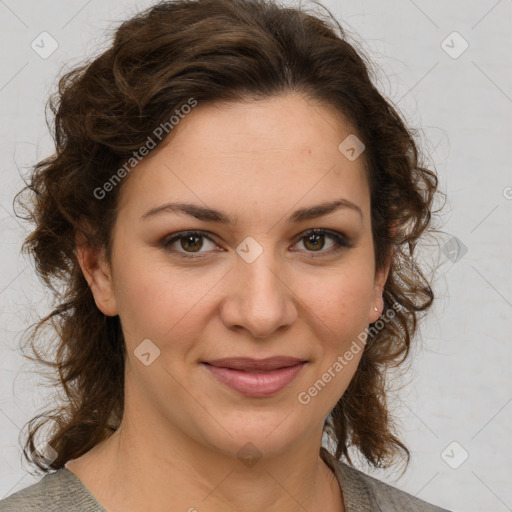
[(57, 491), (364, 493), (390, 498)]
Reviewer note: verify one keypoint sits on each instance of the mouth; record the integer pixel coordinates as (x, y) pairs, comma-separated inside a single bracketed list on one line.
[(256, 378)]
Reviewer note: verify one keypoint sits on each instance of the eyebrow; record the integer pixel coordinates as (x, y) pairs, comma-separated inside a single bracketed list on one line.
[(212, 215)]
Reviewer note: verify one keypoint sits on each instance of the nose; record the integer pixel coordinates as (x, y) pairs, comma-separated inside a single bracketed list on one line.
[(258, 298)]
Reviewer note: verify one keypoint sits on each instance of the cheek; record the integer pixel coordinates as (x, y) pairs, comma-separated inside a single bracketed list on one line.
[(339, 314), (157, 301), (340, 299)]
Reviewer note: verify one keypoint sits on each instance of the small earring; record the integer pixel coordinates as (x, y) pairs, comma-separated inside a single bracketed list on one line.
[(376, 308)]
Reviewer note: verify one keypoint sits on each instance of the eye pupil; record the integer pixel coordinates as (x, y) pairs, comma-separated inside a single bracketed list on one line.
[(185, 240), (315, 236)]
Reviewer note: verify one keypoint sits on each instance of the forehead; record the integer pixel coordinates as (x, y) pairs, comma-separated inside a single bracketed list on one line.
[(275, 152)]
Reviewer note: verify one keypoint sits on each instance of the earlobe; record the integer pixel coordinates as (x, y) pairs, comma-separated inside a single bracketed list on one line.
[(97, 274)]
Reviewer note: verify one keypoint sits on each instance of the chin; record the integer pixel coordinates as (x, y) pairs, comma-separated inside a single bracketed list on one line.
[(264, 434)]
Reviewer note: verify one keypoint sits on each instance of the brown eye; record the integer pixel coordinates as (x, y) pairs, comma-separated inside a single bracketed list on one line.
[(192, 242), (314, 241), (189, 242)]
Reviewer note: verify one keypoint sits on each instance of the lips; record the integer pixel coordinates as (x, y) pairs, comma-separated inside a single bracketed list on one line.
[(255, 365), (256, 378)]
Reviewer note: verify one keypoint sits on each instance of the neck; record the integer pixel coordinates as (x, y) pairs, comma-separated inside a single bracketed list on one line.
[(133, 471)]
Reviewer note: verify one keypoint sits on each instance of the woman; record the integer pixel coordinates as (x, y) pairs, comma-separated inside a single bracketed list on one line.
[(230, 214)]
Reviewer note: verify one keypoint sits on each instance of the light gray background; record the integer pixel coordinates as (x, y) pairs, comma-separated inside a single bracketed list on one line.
[(459, 387)]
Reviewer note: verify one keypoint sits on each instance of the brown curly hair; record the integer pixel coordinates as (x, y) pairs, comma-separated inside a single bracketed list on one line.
[(104, 110)]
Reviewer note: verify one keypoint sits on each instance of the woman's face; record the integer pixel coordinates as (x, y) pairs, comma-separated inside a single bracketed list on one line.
[(257, 286)]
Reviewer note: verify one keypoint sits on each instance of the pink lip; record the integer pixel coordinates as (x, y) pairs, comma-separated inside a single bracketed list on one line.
[(259, 378)]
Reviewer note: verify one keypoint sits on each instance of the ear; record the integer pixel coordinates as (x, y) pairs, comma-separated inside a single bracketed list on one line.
[(381, 277), (377, 302), (98, 275)]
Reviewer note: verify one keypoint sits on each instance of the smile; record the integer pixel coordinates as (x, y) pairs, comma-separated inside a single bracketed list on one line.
[(256, 383)]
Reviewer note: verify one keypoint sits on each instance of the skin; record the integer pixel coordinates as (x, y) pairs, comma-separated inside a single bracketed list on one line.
[(181, 431)]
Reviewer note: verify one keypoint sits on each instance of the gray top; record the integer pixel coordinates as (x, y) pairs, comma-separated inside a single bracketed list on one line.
[(64, 491)]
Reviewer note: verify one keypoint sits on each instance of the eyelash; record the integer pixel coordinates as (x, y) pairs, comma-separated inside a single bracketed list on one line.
[(340, 240)]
